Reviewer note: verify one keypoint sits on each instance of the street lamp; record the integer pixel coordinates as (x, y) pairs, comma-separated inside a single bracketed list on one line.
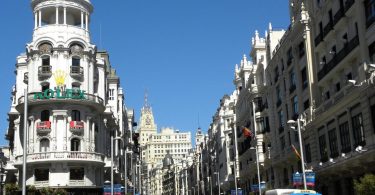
[(256, 147), (292, 124), (218, 180)]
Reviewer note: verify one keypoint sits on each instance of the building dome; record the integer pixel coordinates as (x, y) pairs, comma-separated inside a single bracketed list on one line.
[(168, 160)]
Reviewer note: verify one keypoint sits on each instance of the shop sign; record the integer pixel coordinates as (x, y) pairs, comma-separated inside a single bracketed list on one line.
[(297, 179), (59, 94)]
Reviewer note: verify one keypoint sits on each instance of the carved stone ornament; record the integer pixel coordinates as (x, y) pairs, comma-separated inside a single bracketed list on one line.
[(45, 48), (76, 50)]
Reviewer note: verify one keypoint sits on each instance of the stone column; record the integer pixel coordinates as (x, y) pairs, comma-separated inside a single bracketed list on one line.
[(54, 132), (65, 147), (87, 133), (40, 18), (64, 15), (35, 20), (92, 144), (81, 19), (87, 21), (31, 135), (57, 15)]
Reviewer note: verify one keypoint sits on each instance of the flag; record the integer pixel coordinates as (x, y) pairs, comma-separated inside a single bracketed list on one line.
[(246, 132), (296, 151)]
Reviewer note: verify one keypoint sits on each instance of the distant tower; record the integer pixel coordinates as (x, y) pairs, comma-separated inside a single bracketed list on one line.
[(147, 125), (199, 137)]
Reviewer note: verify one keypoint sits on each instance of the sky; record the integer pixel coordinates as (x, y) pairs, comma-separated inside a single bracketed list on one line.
[(182, 52)]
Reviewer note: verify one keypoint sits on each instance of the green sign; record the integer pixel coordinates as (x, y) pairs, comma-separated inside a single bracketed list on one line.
[(58, 94)]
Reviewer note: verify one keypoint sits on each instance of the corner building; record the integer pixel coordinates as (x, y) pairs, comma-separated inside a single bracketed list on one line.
[(74, 100)]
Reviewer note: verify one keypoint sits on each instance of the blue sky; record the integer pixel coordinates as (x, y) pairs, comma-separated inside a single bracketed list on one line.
[(182, 52)]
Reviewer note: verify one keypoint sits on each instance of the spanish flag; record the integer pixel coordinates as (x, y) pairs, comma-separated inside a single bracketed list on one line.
[(246, 132), (296, 151)]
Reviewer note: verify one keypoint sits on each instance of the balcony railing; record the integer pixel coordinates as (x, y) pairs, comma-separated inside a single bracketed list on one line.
[(43, 127), (87, 98), (62, 156), (76, 71), (76, 126), (339, 57), (76, 182), (45, 71)]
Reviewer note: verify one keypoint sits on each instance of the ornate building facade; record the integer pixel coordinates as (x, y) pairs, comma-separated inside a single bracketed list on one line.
[(75, 104)]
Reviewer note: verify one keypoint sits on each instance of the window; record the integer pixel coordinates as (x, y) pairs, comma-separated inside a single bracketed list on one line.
[(308, 153), (304, 78), (44, 145), (45, 86), (282, 142), (338, 87), (358, 133), (281, 119), (76, 115), (41, 174), (301, 49), (333, 143), (77, 173), (289, 56), (295, 105), (370, 12), (349, 76), (323, 148), (373, 116), (306, 104), (46, 61), (111, 93), (44, 115), (292, 77), (345, 137), (75, 144), (76, 61)]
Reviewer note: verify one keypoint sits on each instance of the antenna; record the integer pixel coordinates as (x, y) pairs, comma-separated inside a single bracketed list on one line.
[(199, 124), (100, 35), (146, 99)]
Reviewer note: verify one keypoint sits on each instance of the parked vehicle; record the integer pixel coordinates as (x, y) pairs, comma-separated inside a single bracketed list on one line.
[(291, 192)]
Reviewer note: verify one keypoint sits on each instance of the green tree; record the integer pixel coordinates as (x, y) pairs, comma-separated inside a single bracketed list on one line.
[(365, 185)]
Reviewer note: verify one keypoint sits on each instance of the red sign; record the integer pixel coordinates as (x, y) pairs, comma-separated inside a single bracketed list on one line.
[(76, 124), (43, 125)]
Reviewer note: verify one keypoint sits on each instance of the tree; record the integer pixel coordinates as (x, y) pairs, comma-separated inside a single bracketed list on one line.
[(365, 185)]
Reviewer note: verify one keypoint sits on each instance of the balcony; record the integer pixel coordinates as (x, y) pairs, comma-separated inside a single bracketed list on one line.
[(76, 126), (87, 100), (76, 182), (76, 71), (352, 44), (71, 156), (43, 127), (44, 71)]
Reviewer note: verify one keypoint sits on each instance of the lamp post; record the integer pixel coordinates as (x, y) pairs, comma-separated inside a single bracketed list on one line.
[(256, 147), (218, 180), (291, 123), (25, 129), (235, 154)]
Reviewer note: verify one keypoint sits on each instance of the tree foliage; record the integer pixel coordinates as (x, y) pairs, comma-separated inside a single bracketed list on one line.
[(365, 185)]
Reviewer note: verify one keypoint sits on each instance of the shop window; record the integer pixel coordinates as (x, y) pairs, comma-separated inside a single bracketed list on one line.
[(77, 173), (41, 174)]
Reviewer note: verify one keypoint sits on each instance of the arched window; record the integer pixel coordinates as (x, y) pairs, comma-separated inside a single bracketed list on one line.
[(75, 144), (44, 115), (76, 61), (76, 115), (44, 145)]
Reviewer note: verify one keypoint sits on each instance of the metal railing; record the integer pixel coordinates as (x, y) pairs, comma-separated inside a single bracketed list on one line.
[(45, 71), (76, 71)]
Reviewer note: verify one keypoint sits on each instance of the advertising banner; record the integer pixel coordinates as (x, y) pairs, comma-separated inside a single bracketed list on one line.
[(297, 179)]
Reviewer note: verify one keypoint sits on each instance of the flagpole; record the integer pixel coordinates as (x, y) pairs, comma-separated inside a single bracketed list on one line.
[(256, 147)]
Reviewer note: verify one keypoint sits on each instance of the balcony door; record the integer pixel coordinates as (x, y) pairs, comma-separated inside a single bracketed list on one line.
[(75, 144), (44, 145)]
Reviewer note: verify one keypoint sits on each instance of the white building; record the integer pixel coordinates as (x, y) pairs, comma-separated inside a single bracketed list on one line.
[(74, 103)]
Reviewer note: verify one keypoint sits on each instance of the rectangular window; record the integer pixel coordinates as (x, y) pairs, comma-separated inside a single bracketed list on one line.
[(358, 132), (282, 142), (41, 174), (295, 105), (370, 12), (77, 173), (289, 56), (301, 49), (281, 119), (308, 153), (333, 143), (304, 78), (323, 148), (306, 104)]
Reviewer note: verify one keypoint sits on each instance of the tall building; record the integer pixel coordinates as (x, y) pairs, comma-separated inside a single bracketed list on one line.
[(75, 104)]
